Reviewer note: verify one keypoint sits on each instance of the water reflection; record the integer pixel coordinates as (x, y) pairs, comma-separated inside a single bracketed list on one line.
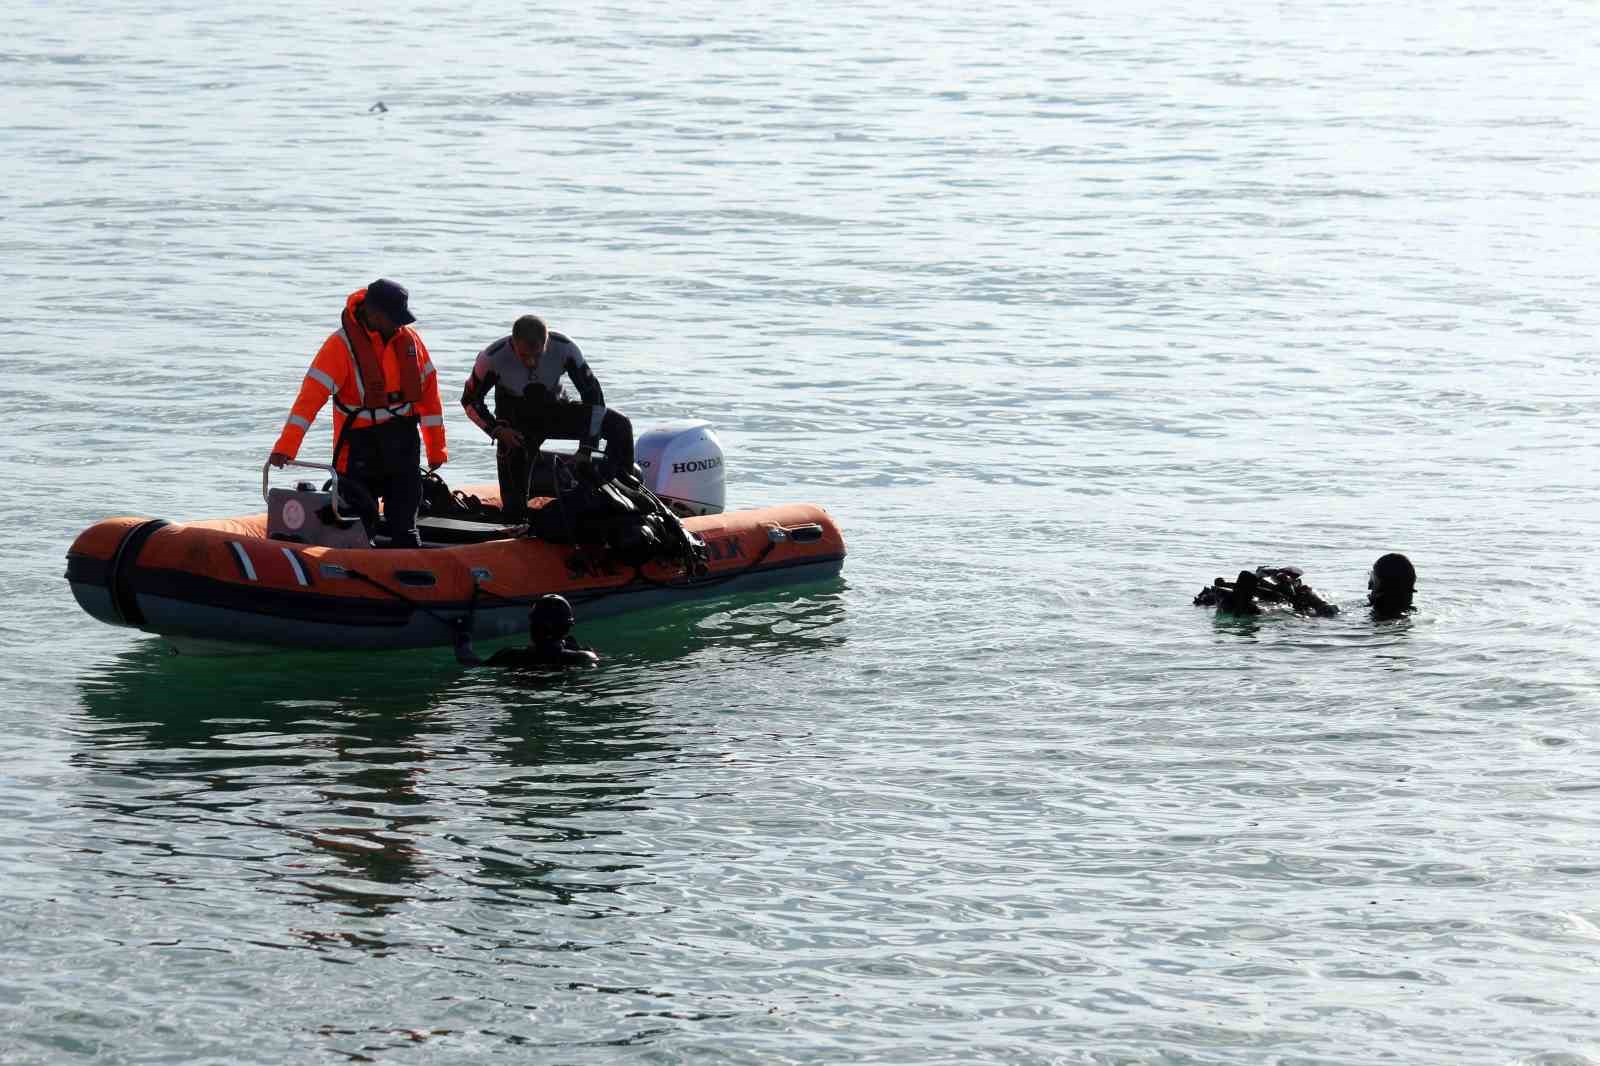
[(360, 784), (1356, 622), (352, 760)]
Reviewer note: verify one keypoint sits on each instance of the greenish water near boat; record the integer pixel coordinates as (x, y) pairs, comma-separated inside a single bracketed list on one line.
[(1060, 314)]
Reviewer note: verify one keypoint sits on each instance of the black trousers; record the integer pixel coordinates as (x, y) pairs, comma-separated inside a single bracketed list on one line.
[(386, 460), (557, 421)]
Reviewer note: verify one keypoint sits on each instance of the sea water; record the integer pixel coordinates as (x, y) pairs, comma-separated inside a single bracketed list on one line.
[(1062, 311)]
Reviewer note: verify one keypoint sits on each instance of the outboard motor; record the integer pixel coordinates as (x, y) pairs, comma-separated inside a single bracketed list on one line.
[(682, 464)]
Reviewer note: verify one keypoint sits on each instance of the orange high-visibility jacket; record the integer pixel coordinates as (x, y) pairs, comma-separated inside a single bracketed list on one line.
[(336, 373)]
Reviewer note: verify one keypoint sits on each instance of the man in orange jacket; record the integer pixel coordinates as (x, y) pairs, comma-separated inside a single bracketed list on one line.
[(385, 396)]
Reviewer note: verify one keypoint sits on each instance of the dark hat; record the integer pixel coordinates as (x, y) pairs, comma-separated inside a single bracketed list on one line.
[(391, 298)]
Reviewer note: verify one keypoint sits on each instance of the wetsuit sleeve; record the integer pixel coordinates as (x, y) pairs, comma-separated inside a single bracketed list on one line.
[(474, 398), (431, 410), (324, 377), (588, 385), (589, 391)]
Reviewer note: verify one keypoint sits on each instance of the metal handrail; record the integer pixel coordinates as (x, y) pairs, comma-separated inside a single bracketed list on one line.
[(333, 474)]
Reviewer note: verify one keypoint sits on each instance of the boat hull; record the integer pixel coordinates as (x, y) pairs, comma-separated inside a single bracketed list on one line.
[(220, 586)]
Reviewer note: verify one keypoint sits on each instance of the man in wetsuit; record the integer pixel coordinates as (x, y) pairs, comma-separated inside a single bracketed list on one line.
[(550, 645), (525, 369), (1390, 586)]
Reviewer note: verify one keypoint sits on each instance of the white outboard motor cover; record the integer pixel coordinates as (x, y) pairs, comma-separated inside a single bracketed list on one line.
[(682, 463)]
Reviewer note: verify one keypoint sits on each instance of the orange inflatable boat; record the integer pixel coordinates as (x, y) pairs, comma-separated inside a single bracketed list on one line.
[(243, 584)]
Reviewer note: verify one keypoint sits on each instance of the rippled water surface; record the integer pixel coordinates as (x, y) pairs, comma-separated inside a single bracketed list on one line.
[(1061, 313)]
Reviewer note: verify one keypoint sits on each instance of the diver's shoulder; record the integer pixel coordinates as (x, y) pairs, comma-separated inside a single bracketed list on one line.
[(527, 658)]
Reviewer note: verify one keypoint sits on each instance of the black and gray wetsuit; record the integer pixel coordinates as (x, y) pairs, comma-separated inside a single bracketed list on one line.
[(519, 391), (539, 654), (532, 402)]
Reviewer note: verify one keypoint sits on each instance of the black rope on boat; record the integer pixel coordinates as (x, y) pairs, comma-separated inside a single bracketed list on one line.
[(456, 625), (465, 625), (453, 625)]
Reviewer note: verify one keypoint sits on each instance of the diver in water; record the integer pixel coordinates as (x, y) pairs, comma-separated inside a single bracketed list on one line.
[(550, 644), (1390, 586), (1264, 585)]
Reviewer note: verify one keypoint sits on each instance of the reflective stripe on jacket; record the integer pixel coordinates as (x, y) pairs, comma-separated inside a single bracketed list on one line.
[(397, 381)]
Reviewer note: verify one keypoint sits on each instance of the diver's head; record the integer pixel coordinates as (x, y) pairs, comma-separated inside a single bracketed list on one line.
[(551, 618), (529, 338), (1391, 583)]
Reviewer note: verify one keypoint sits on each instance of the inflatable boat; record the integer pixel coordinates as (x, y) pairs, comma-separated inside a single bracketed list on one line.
[(303, 575)]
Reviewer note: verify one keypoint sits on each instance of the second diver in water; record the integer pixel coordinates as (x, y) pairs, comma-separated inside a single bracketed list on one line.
[(1390, 586), (550, 644)]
